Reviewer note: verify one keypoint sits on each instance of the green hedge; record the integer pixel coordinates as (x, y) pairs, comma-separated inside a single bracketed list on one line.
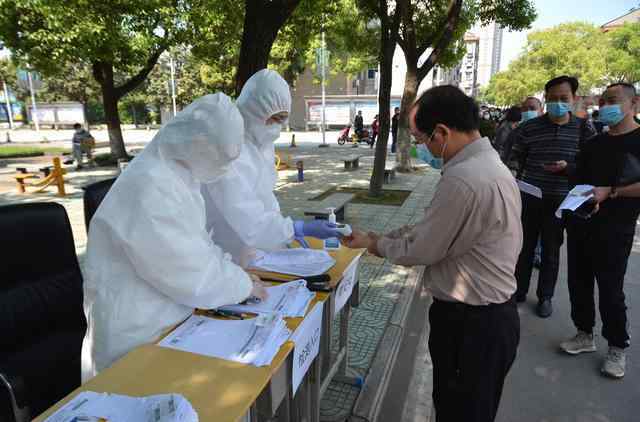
[(24, 152)]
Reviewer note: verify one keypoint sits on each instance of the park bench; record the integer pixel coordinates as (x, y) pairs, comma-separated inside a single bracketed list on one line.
[(337, 201), (351, 162), (389, 174), (52, 177)]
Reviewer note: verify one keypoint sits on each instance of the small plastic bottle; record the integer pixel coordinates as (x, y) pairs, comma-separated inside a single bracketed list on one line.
[(332, 216)]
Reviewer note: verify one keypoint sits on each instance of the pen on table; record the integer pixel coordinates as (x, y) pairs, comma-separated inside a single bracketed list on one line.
[(226, 314)]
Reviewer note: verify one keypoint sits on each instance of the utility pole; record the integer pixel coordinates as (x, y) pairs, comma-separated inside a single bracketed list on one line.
[(8, 102), (323, 61), (34, 109), (173, 85)]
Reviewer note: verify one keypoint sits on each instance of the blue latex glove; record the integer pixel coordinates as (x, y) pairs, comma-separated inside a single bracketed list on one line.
[(320, 229), (302, 242)]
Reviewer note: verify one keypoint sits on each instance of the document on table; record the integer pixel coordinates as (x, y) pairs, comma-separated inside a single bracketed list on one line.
[(298, 261), (576, 197), (102, 407), (530, 189), (251, 341), (290, 300)]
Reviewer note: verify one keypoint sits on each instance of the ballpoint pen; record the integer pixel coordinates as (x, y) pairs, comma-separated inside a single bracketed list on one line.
[(226, 314)]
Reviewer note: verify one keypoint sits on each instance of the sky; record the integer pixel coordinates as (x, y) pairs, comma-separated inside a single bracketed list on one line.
[(554, 12)]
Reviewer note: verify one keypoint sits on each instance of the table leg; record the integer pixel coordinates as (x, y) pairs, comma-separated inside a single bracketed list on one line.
[(314, 393)]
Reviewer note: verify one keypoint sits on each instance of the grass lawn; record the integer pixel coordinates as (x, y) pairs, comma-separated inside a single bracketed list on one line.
[(387, 197), (26, 151)]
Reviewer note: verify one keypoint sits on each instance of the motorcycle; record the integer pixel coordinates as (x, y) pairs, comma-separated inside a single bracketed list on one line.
[(355, 138)]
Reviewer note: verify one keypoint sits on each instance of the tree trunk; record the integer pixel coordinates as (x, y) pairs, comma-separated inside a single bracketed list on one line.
[(110, 99), (409, 94), (388, 45), (262, 21)]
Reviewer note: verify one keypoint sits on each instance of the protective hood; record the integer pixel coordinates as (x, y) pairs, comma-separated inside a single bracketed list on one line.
[(263, 95), (150, 260), (204, 137)]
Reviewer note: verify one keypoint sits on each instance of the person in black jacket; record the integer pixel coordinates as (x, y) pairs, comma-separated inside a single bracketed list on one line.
[(358, 123), (394, 129), (602, 241)]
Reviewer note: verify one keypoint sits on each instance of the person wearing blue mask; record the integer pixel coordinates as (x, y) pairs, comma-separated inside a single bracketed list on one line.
[(602, 243), (530, 108), (468, 241), (509, 123), (544, 147)]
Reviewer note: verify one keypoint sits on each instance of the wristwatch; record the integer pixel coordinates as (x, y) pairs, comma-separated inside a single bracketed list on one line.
[(614, 193)]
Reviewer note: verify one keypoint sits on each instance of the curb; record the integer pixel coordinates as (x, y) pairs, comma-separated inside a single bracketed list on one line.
[(376, 383)]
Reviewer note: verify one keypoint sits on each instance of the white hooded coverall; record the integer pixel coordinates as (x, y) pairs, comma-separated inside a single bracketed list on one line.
[(150, 260), (241, 207)]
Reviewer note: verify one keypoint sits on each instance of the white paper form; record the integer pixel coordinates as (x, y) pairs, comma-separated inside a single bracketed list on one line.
[(90, 406), (307, 344), (576, 197), (251, 341), (289, 300), (298, 261), (530, 189)]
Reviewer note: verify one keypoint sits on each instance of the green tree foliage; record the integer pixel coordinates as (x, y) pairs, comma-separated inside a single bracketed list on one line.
[(432, 32), (578, 49), (117, 37), (623, 55)]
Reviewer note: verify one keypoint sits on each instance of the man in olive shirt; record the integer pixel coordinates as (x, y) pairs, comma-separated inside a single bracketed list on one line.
[(469, 241)]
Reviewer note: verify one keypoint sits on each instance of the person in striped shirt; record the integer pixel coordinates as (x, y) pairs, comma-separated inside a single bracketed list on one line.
[(544, 147)]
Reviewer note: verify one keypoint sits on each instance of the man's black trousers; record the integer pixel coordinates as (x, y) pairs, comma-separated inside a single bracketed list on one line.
[(472, 349), (599, 254), (539, 220)]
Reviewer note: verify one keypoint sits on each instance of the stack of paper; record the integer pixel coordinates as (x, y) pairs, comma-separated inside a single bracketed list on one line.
[(288, 299), (576, 197), (300, 262), (252, 341), (530, 189), (97, 407)]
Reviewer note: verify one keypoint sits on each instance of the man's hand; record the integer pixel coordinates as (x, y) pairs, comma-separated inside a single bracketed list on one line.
[(555, 167), (357, 240), (259, 288), (601, 193)]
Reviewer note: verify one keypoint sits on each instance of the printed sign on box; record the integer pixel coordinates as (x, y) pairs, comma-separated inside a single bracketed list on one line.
[(344, 289), (307, 344)]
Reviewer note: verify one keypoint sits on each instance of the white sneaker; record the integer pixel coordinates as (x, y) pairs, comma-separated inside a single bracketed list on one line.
[(580, 343), (614, 363)]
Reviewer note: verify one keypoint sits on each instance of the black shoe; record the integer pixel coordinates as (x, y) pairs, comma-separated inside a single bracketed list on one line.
[(544, 308), (521, 298)]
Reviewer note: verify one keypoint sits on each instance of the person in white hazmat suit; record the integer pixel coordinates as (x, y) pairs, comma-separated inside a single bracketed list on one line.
[(150, 260), (241, 207)]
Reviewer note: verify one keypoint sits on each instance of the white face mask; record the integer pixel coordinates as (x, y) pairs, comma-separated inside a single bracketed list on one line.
[(272, 132)]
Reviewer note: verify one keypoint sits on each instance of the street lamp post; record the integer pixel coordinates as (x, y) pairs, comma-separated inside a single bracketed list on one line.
[(173, 86), (8, 102), (34, 108), (324, 65)]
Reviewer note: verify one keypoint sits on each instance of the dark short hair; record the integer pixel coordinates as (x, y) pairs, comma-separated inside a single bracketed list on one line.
[(447, 105), (513, 114), (535, 99), (564, 79), (628, 88), (77, 125), (396, 108), (595, 114)]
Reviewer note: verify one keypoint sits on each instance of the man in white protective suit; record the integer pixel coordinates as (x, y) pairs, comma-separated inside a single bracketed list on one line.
[(150, 260), (242, 209)]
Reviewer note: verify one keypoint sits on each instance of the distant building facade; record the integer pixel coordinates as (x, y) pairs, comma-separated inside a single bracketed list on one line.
[(346, 95), (633, 16)]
